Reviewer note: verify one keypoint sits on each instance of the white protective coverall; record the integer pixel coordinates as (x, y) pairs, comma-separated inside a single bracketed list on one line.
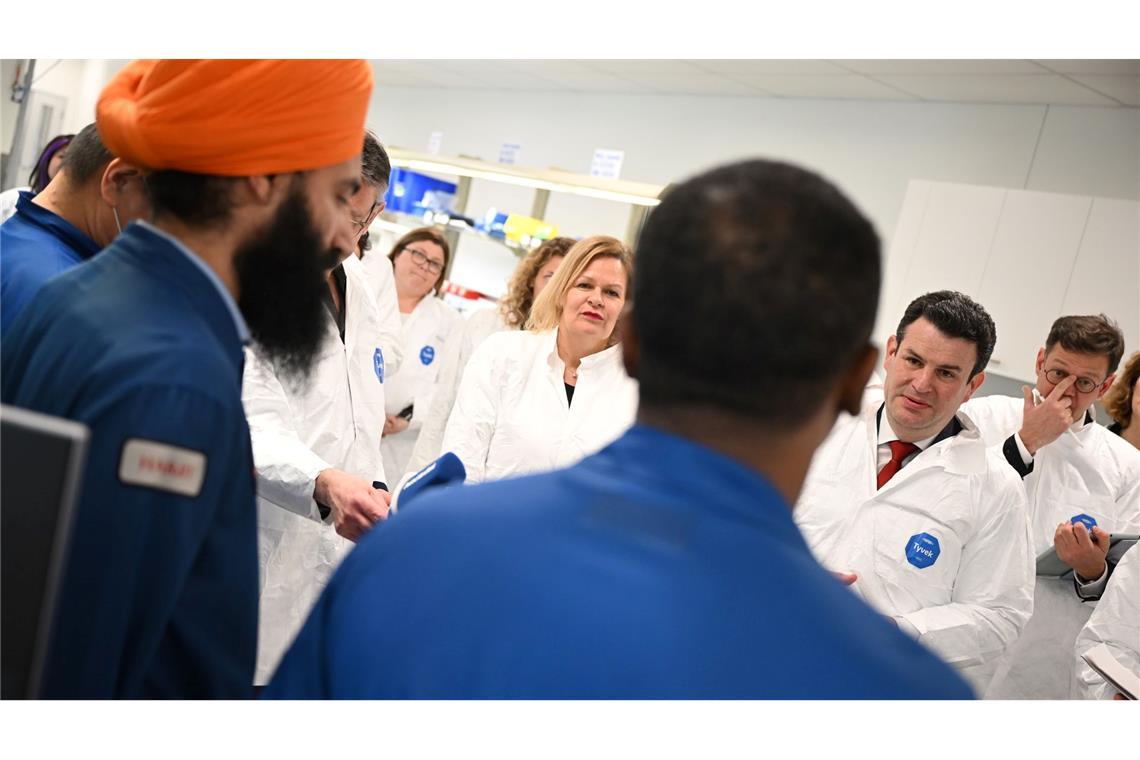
[(334, 422), (456, 354), (511, 414), (1088, 470), (966, 589), (424, 336), (377, 271), (1115, 623)]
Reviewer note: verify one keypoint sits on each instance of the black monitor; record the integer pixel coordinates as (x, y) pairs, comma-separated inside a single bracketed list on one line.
[(41, 464)]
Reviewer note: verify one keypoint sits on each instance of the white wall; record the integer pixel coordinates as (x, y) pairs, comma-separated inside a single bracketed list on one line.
[(872, 149)]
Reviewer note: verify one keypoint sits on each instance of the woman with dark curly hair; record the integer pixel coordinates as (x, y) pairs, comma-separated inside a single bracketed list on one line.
[(527, 281), (1122, 402)]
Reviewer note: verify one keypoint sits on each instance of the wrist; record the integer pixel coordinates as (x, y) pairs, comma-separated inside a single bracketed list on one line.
[(1091, 572), (1031, 444), (321, 487)]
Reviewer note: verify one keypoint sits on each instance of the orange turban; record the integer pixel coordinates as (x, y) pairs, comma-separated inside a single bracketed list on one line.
[(236, 118)]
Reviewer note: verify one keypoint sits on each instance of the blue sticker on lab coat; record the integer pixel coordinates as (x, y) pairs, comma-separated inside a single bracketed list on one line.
[(1088, 521), (922, 550), (378, 364), (427, 355)]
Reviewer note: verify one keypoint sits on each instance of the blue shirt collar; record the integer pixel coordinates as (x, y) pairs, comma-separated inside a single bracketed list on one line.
[(211, 275), (56, 225)]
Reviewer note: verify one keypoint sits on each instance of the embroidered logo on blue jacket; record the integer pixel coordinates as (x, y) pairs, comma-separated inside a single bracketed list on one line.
[(427, 355), (378, 364), (922, 550), (1087, 520)]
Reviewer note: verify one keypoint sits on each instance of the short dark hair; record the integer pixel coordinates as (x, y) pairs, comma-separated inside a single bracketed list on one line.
[(201, 200), (1096, 335), (375, 166), (86, 157), (956, 315), (757, 284)]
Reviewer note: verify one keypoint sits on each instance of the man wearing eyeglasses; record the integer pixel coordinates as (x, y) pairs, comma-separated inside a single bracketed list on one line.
[(1082, 483)]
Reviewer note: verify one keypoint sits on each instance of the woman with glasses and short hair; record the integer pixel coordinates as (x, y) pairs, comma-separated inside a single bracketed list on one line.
[(419, 259), (547, 396)]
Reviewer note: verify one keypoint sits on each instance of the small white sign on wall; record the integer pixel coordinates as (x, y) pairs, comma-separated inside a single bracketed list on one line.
[(509, 153), (607, 163), (434, 142)]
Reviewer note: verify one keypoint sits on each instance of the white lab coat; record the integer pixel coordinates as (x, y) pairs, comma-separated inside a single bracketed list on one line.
[(334, 422), (424, 336), (511, 415), (1115, 623), (456, 354), (377, 271), (973, 601), (1087, 470)]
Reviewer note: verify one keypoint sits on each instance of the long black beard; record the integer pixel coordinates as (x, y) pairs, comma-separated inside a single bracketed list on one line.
[(281, 278)]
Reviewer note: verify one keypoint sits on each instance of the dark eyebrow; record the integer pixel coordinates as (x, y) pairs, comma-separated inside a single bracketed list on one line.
[(953, 367)]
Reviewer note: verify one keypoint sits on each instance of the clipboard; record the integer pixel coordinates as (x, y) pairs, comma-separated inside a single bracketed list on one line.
[(1101, 659), (1050, 566)]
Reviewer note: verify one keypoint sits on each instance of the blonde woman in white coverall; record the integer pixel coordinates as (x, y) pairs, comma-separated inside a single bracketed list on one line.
[(1116, 624), (907, 497), (529, 278), (316, 446), (1078, 476), (543, 398), (419, 259)]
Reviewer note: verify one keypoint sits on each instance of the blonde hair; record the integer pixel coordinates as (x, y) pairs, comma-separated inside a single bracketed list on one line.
[(547, 310), (516, 304), (1118, 400)]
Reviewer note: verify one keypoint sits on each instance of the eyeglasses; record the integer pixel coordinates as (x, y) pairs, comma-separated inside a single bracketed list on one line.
[(1083, 384), (420, 259), (359, 225)]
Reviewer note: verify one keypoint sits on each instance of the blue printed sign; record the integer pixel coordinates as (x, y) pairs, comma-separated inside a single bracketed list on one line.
[(1085, 520), (922, 550), (378, 364), (427, 355)]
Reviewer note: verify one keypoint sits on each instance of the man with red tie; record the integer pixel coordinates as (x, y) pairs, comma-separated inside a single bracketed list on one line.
[(908, 499)]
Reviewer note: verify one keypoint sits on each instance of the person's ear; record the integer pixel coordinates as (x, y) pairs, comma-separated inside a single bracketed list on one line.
[(853, 381), (1104, 387), (972, 386), (115, 176), (262, 189), (630, 348)]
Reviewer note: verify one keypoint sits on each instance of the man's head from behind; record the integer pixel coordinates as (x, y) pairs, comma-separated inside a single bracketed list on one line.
[(755, 295), (935, 361), (269, 192), (104, 192), (1088, 348)]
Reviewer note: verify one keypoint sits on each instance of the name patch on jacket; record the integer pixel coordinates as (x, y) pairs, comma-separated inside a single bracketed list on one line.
[(427, 355), (922, 550), (378, 364), (163, 467)]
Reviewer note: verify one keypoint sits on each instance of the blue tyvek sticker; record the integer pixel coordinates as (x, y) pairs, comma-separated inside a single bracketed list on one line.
[(427, 355), (1087, 520), (378, 364), (922, 550)]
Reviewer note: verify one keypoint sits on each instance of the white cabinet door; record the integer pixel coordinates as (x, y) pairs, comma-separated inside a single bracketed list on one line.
[(1106, 278), (954, 242), (1025, 279), (898, 258)]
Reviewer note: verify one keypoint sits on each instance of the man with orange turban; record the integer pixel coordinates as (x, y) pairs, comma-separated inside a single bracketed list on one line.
[(250, 168)]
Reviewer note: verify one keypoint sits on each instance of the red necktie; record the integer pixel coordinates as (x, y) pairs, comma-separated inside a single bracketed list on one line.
[(899, 452)]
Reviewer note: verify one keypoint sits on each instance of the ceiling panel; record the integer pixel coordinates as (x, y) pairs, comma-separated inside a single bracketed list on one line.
[(846, 86), (649, 66), (941, 66), (1126, 89), (732, 66), (1108, 66), (1033, 89), (693, 84)]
